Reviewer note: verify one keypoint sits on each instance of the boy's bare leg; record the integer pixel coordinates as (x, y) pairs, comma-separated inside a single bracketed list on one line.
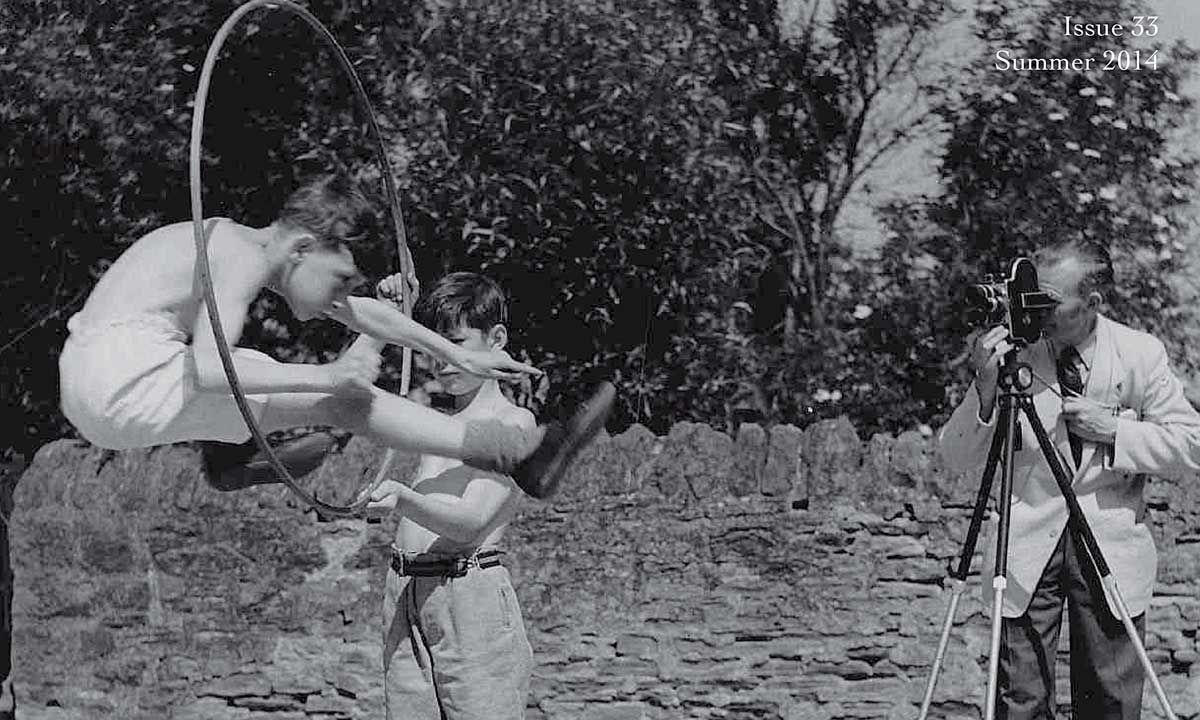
[(536, 458), (386, 419)]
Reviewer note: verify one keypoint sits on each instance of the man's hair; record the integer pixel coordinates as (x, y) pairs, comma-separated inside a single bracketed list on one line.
[(1093, 258), (463, 299), (334, 209)]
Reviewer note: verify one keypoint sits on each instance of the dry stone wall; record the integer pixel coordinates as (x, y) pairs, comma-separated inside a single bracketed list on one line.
[(782, 574)]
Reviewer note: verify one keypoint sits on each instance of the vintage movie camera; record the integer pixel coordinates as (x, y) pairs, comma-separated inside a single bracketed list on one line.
[(1016, 302)]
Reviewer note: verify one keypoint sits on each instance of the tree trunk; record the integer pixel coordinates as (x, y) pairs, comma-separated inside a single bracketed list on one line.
[(791, 318)]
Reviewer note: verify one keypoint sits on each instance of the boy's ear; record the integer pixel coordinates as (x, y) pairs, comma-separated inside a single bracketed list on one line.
[(498, 336), (301, 246)]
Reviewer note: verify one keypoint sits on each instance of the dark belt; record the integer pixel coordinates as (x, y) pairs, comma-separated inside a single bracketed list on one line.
[(406, 564)]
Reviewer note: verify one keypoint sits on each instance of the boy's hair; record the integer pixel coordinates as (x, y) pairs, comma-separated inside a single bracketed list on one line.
[(334, 209), (462, 299)]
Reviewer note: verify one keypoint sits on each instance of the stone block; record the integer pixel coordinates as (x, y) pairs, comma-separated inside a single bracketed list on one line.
[(209, 708), (695, 463), (621, 465), (830, 463), (610, 465), (235, 686), (782, 470), (616, 711), (329, 702), (750, 449), (639, 646)]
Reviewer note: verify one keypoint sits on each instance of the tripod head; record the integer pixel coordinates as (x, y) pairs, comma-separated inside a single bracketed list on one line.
[(1016, 377)]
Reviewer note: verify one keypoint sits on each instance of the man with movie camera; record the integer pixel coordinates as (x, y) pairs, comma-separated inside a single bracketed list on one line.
[(1115, 412)]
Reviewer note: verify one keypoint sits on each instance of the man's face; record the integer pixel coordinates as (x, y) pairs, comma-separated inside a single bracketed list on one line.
[(1073, 319), (453, 380), (321, 276)]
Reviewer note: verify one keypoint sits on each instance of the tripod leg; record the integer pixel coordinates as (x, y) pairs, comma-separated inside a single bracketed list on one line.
[(1110, 584), (959, 576), (999, 584), (1083, 532), (1000, 578), (956, 594), (1118, 600)]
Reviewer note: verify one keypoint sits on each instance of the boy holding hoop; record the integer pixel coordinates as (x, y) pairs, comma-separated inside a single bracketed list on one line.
[(454, 643)]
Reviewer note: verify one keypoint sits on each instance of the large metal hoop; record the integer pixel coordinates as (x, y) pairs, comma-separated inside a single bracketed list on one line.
[(405, 258)]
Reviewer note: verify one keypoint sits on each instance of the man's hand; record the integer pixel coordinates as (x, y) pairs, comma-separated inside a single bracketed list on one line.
[(987, 353), (391, 288), (1090, 420), (355, 372), (496, 364)]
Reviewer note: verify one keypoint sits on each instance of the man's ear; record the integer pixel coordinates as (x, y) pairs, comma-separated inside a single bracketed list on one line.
[(1095, 300), (498, 336)]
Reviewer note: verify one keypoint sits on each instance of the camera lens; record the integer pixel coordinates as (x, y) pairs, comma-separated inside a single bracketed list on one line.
[(984, 305)]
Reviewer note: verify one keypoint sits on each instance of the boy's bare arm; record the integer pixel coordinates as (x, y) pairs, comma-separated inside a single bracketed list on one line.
[(384, 322), (461, 519)]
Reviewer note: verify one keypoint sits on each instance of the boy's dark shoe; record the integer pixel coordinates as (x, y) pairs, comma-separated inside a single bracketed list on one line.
[(540, 474), (236, 467)]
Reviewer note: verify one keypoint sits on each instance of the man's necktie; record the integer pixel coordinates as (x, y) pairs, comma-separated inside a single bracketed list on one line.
[(1071, 382)]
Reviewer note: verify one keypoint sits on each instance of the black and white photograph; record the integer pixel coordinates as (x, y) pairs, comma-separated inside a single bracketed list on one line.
[(600, 360)]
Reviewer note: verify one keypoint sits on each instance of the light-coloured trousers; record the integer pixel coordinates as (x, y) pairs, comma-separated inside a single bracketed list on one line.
[(454, 648)]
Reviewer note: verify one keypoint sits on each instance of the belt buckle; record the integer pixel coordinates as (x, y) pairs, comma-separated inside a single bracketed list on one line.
[(459, 567), (399, 562)]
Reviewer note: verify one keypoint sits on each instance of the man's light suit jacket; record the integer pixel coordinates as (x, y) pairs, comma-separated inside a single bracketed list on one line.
[(1158, 433)]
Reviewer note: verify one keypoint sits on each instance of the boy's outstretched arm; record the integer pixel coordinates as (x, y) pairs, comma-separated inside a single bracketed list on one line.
[(383, 321)]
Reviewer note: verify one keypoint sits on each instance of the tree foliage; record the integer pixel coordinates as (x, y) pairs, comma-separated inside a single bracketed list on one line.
[(658, 184), (1037, 157)]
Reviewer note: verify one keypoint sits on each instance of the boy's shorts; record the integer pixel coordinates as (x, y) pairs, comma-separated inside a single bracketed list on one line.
[(131, 383), (454, 648)]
